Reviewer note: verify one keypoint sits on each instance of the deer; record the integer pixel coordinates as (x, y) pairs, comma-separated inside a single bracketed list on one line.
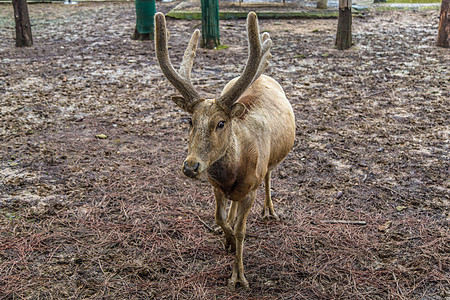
[(235, 139)]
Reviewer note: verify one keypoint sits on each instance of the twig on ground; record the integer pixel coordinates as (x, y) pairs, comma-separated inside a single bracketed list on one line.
[(350, 222), (206, 225)]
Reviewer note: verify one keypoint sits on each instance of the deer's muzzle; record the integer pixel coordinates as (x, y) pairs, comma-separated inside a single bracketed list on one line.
[(191, 168)]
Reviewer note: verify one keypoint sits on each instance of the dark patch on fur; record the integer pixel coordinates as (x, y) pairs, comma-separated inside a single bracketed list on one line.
[(223, 176)]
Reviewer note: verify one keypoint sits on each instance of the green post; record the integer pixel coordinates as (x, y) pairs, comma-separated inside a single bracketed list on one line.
[(210, 24), (145, 24)]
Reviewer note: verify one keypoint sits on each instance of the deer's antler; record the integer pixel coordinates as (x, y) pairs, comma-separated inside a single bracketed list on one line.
[(258, 60), (266, 56), (180, 80)]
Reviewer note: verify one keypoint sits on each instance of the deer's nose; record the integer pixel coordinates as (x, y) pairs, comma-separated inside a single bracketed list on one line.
[(190, 169)]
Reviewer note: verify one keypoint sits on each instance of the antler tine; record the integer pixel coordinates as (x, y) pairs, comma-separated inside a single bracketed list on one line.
[(180, 81), (266, 55), (189, 55), (253, 68)]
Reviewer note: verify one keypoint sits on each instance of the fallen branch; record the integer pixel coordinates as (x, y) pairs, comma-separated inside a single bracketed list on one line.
[(206, 225), (350, 222)]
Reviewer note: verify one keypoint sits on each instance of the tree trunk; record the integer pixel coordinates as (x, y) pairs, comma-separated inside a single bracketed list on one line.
[(321, 4), (443, 39), (145, 23), (210, 24), (344, 29), (23, 25)]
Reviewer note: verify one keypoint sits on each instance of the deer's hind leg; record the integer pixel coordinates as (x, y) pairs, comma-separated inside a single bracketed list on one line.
[(231, 219), (268, 212)]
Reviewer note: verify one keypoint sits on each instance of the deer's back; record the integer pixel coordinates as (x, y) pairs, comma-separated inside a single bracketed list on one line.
[(269, 121)]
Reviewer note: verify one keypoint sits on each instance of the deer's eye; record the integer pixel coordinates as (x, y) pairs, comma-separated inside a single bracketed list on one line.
[(221, 124), (190, 122)]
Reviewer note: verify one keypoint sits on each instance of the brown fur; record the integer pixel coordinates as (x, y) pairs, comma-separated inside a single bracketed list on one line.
[(264, 135), (237, 139), (244, 152)]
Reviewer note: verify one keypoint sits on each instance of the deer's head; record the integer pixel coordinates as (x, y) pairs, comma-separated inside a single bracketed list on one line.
[(212, 119)]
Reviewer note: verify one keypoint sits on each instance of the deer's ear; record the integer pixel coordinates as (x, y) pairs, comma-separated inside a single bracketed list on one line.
[(182, 103), (237, 110)]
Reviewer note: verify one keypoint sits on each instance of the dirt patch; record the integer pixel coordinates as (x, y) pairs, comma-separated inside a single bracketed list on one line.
[(84, 216)]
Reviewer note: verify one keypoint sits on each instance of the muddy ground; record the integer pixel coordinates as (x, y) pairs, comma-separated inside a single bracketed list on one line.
[(88, 216)]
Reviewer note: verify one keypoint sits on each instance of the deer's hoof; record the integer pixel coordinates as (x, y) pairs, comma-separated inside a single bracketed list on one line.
[(243, 283), (238, 277), (269, 215)]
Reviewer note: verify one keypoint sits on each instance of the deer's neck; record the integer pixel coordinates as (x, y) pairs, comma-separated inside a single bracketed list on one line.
[(223, 174)]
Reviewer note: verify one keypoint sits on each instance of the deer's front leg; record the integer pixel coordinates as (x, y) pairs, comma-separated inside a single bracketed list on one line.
[(221, 219), (239, 232)]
